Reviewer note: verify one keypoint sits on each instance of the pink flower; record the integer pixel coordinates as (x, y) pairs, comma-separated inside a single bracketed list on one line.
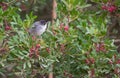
[(66, 28)]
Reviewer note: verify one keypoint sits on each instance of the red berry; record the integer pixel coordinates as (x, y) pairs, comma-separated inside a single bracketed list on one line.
[(66, 28), (37, 45), (7, 28)]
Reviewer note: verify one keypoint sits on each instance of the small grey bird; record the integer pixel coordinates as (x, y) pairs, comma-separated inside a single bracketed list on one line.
[(38, 28)]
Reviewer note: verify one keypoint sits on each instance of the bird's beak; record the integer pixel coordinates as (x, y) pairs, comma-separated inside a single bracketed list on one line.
[(48, 22)]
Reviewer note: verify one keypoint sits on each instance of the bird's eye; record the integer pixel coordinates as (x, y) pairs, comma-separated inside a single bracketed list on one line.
[(43, 22)]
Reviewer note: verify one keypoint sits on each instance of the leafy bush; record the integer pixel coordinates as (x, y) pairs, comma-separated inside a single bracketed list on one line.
[(75, 46)]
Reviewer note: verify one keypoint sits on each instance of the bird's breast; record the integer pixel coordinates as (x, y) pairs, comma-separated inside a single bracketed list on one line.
[(41, 30)]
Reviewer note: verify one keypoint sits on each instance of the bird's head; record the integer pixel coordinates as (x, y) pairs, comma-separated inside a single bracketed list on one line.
[(43, 22), (40, 23)]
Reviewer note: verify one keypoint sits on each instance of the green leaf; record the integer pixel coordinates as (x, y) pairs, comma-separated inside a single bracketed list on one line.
[(24, 65), (29, 64)]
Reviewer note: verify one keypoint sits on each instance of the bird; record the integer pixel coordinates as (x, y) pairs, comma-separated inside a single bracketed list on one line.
[(38, 28)]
